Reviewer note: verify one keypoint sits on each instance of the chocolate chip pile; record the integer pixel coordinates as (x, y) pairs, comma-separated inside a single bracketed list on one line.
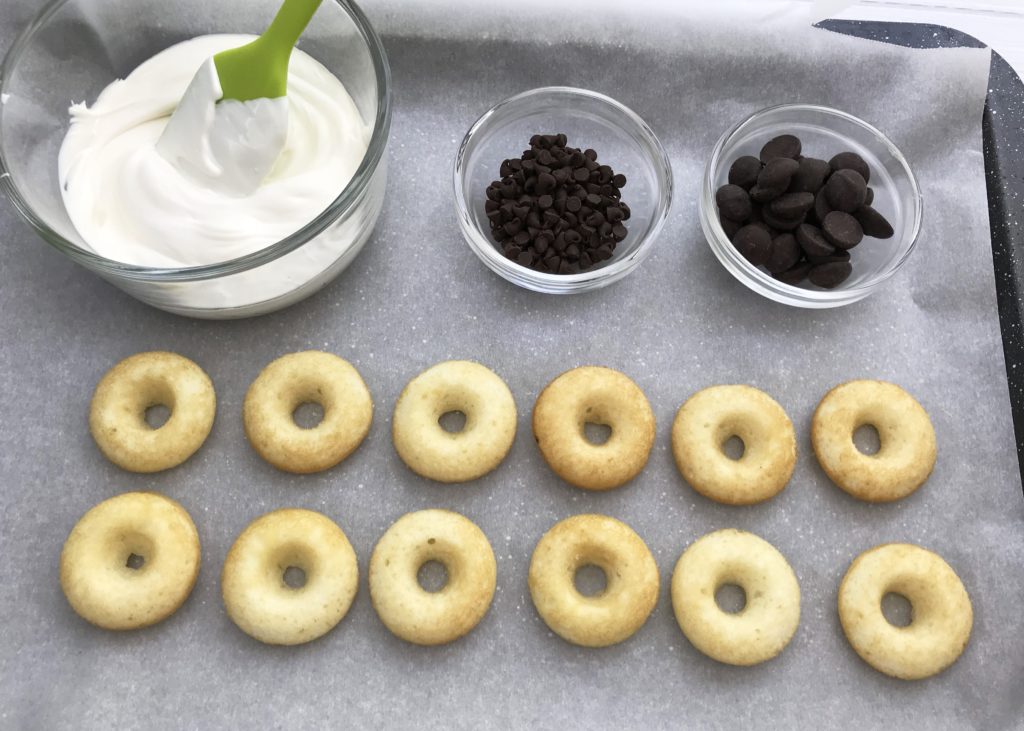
[(556, 209), (798, 216)]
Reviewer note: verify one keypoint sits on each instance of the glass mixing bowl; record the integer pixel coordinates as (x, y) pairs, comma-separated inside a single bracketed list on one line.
[(75, 48)]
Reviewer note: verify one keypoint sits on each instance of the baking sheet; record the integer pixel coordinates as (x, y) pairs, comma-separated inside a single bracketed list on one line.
[(677, 324)]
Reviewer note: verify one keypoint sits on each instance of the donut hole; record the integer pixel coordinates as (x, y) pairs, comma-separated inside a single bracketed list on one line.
[(866, 439), (453, 421), (590, 580), (731, 598), (432, 576), (294, 577), (308, 415), (596, 434), (733, 448), (156, 415), (135, 561), (897, 609)]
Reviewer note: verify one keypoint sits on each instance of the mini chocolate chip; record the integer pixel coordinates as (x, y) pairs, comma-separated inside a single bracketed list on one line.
[(777, 173), (544, 202), (619, 232), (787, 146), (792, 205), (744, 171), (619, 180), (812, 241), (733, 202), (810, 175), (842, 230), (873, 223), (785, 254), (573, 204), (754, 244), (830, 275), (870, 197), (851, 161), (795, 275), (846, 190)]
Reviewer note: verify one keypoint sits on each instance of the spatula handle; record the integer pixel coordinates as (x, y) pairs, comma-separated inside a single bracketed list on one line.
[(288, 24)]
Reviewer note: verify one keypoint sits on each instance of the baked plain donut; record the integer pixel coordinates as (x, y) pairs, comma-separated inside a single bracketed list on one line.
[(253, 586), (708, 419), (117, 415), (97, 569), (941, 614), (303, 378), (765, 625), (629, 596), (594, 395), (906, 454), (406, 608), (481, 445)]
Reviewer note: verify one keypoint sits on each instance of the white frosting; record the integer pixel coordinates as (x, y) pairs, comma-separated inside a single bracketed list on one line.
[(132, 205), (230, 146)]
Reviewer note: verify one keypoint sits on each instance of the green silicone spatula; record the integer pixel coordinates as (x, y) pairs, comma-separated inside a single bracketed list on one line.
[(259, 69)]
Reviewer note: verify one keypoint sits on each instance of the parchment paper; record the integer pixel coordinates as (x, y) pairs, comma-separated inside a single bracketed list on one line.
[(417, 296)]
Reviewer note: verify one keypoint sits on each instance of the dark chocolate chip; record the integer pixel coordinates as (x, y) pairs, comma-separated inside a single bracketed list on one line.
[(870, 197), (754, 244), (730, 227), (821, 207), (781, 224), (744, 172), (810, 175), (812, 241), (839, 255), (842, 230), (791, 205), (851, 161), (873, 223), (787, 146), (795, 275), (777, 173), (846, 190), (764, 195), (733, 202), (830, 275), (785, 254)]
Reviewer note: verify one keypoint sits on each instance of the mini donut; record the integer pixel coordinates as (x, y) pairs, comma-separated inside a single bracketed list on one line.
[(253, 587), (708, 419), (629, 596), (906, 454), (96, 573), (765, 625), (406, 608), (941, 614), (117, 415), (594, 395), (481, 445), (301, 378)]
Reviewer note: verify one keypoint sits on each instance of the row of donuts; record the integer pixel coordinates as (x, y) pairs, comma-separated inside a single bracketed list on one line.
[(157, 556), (583, 395)]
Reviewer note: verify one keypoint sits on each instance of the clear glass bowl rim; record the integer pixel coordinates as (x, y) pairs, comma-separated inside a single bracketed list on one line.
[(790, 293), (483, 246), (338, 207)]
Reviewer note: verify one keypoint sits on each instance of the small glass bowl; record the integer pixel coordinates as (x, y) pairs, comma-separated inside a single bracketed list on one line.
[(824, 132), (589, 120)]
